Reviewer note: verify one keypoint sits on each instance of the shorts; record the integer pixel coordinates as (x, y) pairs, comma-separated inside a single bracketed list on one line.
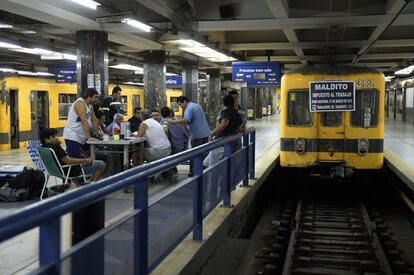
[(73, 148), (214, 157), (91, 169), (151, 154)]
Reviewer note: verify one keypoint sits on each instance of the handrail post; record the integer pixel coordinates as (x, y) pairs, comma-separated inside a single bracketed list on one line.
[(198, 199), (227, 194), (49, 245), (246, 161), (253, 143), (141, 227)]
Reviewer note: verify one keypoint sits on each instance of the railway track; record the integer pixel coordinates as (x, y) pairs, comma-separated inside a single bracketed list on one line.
[(334, 238)]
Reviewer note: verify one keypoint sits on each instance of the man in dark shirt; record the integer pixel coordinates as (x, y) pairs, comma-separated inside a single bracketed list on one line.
[(229, 123), (94, 167), (135, 120), (112, 105)]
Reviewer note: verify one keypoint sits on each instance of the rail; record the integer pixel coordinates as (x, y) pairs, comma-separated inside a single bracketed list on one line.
[(141, 239)]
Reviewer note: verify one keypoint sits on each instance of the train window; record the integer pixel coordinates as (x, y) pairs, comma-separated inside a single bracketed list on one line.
[(366, 111), (65, 101), (136, 101), (298, 109), (124, 100), (331, 119)]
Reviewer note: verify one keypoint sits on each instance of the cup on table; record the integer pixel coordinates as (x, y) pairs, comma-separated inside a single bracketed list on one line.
[(116, 137), (105, 137)]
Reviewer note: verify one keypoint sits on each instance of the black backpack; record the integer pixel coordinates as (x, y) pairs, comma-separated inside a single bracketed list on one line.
[(30, 179)]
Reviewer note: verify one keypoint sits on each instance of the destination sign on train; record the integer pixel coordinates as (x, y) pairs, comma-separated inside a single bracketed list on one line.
[(332, 96)]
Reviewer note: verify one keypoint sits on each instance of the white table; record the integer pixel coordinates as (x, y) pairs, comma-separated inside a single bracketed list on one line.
[(127, 144)]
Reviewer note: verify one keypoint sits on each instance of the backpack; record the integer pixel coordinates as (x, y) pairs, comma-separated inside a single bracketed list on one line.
[(30, 179)]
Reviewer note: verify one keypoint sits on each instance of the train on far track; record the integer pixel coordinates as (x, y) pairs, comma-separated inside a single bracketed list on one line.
[(332, 117)]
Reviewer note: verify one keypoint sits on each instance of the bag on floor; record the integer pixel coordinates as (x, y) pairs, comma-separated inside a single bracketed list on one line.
[(31, 180), (7, 194)]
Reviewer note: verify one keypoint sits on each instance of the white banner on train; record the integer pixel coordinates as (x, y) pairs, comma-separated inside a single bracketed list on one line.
[(332, 96)]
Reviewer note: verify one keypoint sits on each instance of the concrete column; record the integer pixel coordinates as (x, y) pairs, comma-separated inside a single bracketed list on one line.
[(251, 103), (92, 61), (258, 106), (190, 82), (154, 79), (214, 100)]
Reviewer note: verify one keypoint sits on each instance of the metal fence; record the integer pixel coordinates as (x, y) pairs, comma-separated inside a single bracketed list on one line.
[(141, 239)]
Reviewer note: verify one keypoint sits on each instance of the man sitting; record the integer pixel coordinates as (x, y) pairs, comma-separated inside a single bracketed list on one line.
[(177, 133), (96, 168), (135, 120), (116, 123), (159, 145)]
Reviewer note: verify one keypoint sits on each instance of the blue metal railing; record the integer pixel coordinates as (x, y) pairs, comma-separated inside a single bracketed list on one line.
[(193, 198)]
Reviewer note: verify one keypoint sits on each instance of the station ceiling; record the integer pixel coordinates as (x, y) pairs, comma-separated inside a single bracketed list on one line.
[(373, 33)]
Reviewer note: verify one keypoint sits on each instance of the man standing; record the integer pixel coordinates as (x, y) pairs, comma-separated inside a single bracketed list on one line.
[(230, 123), (135, 120), (80, 118), (237, 106), (195, 118), (112, 105)]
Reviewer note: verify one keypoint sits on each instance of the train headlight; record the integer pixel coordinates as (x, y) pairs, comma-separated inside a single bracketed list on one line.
[(363, 145), (300, 146)]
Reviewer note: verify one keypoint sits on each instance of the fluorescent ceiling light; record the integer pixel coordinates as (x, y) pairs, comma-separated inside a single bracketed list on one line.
[(7, 70), (388, 78), (34, 73), (87, 3), (9, 45), (405, 71), (5, 26), (28, 32), (58, 56), (170, 74), (137, 69), (201, 50), (133, 83), (137, 24), (34, 51)]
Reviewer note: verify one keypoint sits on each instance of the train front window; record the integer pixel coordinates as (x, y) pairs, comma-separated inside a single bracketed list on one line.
[(298, 109), (331, 119), (366, 110)]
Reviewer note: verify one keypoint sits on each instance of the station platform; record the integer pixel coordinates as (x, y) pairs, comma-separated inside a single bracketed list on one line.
[(19, 255)]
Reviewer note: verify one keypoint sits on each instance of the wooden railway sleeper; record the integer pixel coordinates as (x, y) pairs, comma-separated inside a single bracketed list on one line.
[(370, 266), (354, 244), (334, 235), (357, 254)]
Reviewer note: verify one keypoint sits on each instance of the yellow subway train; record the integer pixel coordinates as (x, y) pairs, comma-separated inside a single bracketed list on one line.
[(30, 103), (317, 132)]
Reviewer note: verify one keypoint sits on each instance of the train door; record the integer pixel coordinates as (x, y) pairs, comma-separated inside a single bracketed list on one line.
[(331, 136), (39, 102), (14, 119)]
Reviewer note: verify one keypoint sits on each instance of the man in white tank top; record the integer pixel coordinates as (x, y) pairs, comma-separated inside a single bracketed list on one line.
[(80, 118), (159, 145)]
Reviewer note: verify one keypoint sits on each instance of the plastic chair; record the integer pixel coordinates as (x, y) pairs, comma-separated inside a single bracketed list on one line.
[(54, 168)]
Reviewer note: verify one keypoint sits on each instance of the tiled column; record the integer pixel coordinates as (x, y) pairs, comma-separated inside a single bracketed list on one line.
[(214, 99), (92, 61), (154, 79), (190, 82)]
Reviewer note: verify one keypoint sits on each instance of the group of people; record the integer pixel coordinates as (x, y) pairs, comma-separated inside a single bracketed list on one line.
[(164, 133)]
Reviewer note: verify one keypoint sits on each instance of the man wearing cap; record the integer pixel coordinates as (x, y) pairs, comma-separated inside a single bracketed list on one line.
[(96, 168)]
